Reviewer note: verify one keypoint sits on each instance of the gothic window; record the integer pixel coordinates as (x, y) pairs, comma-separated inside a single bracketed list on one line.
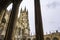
[(55, 38), (47, 38)]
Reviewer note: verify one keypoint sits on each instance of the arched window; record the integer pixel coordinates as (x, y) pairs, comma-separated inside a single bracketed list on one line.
[(47, 38), (55, 38)]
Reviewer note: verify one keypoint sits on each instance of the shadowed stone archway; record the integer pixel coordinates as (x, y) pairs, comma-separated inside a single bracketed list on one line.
[(14, 14)]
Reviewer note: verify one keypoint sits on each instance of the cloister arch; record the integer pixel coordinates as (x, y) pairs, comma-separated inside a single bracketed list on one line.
[(12, 20)]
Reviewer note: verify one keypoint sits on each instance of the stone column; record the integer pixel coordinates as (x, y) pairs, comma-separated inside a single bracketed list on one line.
[(12, 20), (38, 21)]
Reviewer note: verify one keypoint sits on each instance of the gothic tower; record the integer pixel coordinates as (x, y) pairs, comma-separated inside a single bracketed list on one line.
[(22, 30), (23, 19)]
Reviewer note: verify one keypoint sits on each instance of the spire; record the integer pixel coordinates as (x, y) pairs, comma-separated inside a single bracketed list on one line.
[(25, 9), (27, 12), (21, 10)]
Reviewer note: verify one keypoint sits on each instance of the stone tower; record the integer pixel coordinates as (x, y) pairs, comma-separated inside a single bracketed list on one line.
[(22, 30), (23, 19)]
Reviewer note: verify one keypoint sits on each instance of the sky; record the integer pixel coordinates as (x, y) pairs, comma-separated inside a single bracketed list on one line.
[(50, 15), (50, 11)]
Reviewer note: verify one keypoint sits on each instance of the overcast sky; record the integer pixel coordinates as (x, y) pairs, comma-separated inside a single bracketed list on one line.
[(50, 10), (50, 15)]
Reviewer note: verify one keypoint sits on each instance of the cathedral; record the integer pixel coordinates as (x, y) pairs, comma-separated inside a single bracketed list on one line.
[(21, 30)]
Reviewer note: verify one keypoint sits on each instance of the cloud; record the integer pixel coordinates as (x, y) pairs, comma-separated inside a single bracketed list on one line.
[(53, 4)]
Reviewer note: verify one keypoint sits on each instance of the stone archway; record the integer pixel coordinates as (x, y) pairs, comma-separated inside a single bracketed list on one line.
[(55, 38)]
